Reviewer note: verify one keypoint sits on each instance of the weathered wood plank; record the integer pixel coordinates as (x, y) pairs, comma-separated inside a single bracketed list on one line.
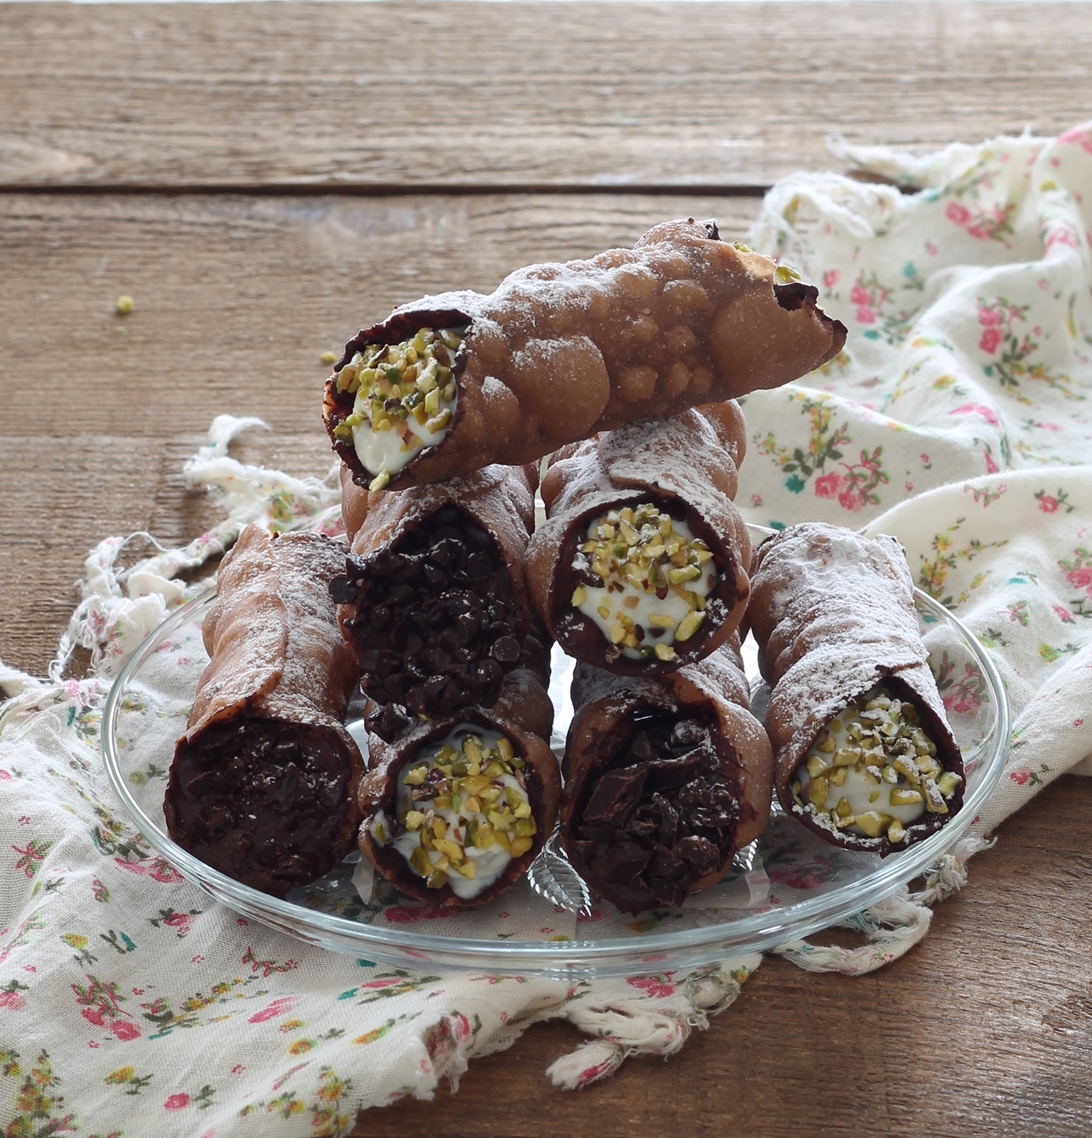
[(519, 94), (237, 297), (980, 1030), (59, 501)]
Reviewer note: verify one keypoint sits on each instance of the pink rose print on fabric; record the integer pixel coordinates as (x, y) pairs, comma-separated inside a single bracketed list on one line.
[(1048, 504), (157, 869), (1080, 578), (986, 413), (991, 340), (177, 1102), (988, 223), (275, 1009), (655, 986), (957, 213), (1080, 136), (1021, 776), (828, 485), (12, 1001)]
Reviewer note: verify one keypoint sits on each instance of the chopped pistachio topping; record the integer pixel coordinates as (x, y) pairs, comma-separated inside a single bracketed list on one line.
[(463, 811), (405, 399), (873, 770), (655, 576)]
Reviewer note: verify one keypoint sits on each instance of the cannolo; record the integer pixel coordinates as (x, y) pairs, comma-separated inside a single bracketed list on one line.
[(865, 755), (642, 563), (263, 782), (455, 810), (664, 780), (559, 352), (432, 597)]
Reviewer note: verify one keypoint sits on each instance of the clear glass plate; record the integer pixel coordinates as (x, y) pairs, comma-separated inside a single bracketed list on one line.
[(786, 885)]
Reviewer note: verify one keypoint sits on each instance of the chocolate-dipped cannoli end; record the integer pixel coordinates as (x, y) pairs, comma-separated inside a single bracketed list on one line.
[(263, 782), (642, 587), (455, 812), (433, 618), (658, 800), (883, 773), (266, 802)]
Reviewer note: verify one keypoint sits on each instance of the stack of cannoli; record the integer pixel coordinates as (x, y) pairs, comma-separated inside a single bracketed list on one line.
[(462, 789), (623, 369)]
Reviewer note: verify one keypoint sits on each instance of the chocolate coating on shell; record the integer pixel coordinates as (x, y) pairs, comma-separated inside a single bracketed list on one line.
[(649, 838), (660, 816), (687, 467), (833, 614), (559, 352), (263, 782), (265, 802)]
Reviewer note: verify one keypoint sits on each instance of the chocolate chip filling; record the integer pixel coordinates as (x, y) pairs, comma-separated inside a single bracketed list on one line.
[(661, 817), (264, 802), (436, 627)]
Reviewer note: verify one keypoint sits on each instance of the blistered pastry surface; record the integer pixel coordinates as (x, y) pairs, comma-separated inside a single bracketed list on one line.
[(559, 352)]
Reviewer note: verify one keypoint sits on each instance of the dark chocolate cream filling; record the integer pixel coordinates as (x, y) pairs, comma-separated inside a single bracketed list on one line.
[(436, 627), (661, 817), (264, 802)]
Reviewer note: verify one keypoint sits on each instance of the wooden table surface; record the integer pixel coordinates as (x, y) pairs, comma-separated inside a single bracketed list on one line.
[(263, 179)]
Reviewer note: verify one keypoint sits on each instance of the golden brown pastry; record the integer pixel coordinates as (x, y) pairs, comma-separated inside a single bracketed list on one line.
[(865, 755), (559, 352)]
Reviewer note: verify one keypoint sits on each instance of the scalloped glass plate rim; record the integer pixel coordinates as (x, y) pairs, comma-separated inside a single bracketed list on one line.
[(759, 931)]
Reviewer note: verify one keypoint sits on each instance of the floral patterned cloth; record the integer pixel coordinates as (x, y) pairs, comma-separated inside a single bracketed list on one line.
[(956, 419)]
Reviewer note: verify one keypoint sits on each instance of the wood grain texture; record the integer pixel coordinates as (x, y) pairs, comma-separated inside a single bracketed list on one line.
[(237, 297), (982, 1030), (519, 94)]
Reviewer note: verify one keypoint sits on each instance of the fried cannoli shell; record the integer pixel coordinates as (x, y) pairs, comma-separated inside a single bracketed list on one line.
[(518, 715), (559, 352), (428, 673), (833, 615), (263, 782), (714, 692), (687, 466)]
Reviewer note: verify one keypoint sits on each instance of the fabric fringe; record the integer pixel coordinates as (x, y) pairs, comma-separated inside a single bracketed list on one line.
[(892, 926), (625, 1024)]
